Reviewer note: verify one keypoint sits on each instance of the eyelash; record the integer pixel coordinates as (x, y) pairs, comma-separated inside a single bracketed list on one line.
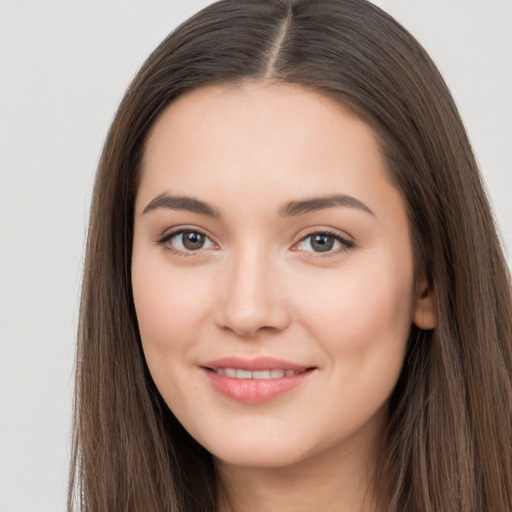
[(164, 241), (344, 243)]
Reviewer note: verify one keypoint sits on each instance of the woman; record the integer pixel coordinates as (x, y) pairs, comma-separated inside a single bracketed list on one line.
[(294, 296)]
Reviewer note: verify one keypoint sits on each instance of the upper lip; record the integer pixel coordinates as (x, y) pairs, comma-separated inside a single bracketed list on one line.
[(259, 363)]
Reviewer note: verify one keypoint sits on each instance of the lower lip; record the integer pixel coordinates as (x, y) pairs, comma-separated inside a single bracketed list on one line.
[(254, 391)]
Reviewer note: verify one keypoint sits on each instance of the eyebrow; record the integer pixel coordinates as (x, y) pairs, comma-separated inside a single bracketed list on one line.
[(189, 204), (320, 203), (291, 209)]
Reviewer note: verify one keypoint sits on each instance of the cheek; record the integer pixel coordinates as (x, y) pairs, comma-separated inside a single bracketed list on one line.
[(168, 302), (363, 322), (169, 307), (362, 313)]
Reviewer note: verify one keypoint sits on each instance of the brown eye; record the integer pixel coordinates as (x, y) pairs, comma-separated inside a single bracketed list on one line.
[(322, 242), (186, 241), (192, 240)]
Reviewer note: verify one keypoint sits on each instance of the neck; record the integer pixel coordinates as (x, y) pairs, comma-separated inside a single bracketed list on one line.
[(327, 482)]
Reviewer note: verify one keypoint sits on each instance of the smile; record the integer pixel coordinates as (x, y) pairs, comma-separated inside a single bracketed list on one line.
[(238, 373), (254, 381)]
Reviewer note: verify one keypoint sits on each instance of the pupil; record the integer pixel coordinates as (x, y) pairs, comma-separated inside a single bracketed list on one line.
[(322, 243), (192, 240)]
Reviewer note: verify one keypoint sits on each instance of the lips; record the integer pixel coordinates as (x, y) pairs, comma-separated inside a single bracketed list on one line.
[(255, 380), (238, 373)]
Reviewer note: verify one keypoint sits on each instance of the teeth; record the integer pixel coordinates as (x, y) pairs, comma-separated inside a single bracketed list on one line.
[(237, 373), (262, 374), (243, 374)]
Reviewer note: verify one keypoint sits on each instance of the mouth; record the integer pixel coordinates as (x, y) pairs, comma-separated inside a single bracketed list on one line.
[(239, 373), (254, 381)]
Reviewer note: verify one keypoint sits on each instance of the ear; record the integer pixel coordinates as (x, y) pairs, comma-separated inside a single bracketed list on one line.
[(425, 306)]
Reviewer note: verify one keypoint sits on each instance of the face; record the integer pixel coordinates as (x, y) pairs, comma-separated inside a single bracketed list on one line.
[(272, 273)]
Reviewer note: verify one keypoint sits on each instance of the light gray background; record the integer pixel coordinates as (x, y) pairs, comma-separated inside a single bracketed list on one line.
[(63, 68)]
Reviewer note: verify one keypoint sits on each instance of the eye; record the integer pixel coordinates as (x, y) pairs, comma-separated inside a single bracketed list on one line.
[(323, 242), (187, 240)]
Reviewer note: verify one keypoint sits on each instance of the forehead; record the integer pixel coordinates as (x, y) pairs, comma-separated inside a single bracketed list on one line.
[(261, 138)]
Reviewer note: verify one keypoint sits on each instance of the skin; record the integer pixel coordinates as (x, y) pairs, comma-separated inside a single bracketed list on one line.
[(257, 287)]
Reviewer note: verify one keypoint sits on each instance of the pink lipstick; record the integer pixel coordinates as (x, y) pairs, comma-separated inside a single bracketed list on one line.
[(255, 380)]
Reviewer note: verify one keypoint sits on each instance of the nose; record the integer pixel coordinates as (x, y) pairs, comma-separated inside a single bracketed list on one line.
[(251, 298)]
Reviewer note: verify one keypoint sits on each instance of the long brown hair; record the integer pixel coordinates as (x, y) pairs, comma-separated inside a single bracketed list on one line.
[(449, 441)]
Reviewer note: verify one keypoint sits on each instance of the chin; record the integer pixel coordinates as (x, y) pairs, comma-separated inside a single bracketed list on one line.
[(260, 456), (262, 451)]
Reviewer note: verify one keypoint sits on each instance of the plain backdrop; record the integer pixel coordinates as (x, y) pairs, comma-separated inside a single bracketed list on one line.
[(63, 68)]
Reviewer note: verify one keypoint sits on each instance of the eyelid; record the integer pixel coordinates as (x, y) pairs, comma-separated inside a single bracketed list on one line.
[(169, 234), (346, 241)]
